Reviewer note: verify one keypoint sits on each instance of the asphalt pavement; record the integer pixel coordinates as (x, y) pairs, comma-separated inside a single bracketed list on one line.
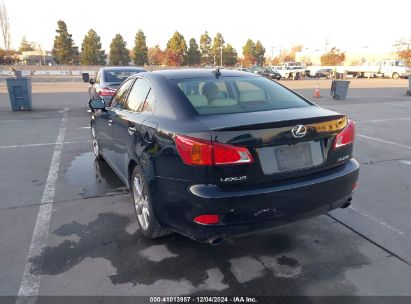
[(68, 227)]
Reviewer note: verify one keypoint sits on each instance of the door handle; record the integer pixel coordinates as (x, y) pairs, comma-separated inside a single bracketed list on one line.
[(110, 122), (131, 130)]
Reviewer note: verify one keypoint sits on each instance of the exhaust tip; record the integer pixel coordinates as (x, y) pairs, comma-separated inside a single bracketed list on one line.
[(216, 241), (346, 204)]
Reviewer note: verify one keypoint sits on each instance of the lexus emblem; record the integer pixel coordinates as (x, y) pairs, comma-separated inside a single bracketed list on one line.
[(299, 131)]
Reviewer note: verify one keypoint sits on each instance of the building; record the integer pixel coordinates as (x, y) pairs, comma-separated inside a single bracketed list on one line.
[(351, 58), (37, 58)]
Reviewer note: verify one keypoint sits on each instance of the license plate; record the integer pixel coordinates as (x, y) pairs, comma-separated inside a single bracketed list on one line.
[(294, 157)]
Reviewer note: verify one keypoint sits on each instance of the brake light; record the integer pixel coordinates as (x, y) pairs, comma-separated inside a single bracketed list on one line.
[(107, 92), (195, 151), (207, 219), (346, 136)]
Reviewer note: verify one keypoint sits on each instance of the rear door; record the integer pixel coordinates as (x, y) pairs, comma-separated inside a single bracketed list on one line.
[(127, 124)]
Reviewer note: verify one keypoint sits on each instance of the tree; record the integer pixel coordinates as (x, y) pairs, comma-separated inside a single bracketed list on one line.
[(176, 50), (140, 50), (91, 51), (119, 54), (205, 48), (333, 57), (249, 53), (218, 44), (404, 51), (26, 46), (5, 26), (155, 55), (229, 55), (259, 52), (193, 53), (64, 50)]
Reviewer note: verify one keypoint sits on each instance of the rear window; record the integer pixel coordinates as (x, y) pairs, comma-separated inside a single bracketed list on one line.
[(228, 95), (119, 76)]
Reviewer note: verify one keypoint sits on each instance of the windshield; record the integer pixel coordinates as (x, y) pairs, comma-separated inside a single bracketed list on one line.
[(119, 76), (228, 95), (399, 63)]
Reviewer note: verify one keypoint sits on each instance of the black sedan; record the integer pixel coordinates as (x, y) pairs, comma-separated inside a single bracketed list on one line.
[(324, 73), (270, 73), (210, 153), (108, 80)]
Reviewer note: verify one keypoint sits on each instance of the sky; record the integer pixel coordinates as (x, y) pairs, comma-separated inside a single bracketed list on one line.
[(356, 26)]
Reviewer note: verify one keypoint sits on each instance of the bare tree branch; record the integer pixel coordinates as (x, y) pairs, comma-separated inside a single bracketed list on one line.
[(5, 26)]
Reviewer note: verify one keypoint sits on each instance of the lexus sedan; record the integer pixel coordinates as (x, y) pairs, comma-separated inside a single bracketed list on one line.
[(108, 80), (215, 153)]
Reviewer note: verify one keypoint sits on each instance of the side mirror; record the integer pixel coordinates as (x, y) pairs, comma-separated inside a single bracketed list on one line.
[(86, 77), (92, 81), (97, 104)]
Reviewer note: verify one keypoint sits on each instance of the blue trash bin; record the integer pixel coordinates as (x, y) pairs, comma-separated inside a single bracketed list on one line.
[(339, 89), (19, 89)]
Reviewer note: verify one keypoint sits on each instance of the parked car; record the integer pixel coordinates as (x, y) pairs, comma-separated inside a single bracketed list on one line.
[(270, 73), (211, 154), (108, 80), (324, 73)]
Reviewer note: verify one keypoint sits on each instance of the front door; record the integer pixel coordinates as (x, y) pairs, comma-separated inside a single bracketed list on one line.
[(127, 124)]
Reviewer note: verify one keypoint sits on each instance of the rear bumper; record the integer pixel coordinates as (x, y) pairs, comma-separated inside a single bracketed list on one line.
[(247, 209)]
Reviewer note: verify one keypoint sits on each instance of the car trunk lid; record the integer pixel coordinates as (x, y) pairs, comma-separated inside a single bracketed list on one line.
[(277, 153)]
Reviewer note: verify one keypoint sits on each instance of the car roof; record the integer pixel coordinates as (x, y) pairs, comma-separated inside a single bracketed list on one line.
[(123, 68), (199, 73)]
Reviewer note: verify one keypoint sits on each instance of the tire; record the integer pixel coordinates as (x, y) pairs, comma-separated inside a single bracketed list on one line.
[(142, 203), (395, 75), (94, 141)]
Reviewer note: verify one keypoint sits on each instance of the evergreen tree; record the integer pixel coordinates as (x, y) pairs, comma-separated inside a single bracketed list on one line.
[(193, 53), (176, 49), (25, 46), (218, 43), (259, 52), (140, 50), (91, 52), (119, 54), (205, 48), (229, 55), (248, 53), (64, 50)]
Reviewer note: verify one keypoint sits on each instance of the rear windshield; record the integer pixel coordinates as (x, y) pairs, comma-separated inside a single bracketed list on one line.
[(119, 75), (228, 95)]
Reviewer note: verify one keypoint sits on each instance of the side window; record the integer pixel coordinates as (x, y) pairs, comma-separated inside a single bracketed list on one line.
[(138, 95), (119, 99), (150, 102)]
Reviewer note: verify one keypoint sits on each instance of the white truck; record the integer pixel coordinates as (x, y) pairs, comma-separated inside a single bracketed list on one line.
[(287, 71), (388, 68)]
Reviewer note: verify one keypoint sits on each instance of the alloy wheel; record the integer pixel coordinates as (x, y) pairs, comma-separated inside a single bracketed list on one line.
[(141, 202)]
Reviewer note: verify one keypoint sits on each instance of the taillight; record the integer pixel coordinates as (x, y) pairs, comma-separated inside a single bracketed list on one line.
[(195, 151), (107, 92), (207, 219), (346, 136)]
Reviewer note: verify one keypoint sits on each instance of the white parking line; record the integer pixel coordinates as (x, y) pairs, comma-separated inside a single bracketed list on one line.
[(407, 162), (30, 283), (383, 141), (378, 221), (40, 145)]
